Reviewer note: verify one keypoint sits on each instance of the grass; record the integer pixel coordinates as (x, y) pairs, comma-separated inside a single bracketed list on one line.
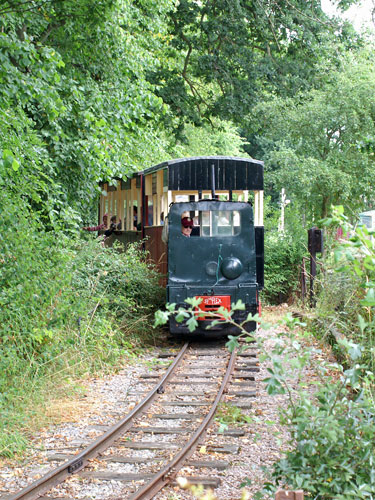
[(55, 391), (229, 414), (56, 397)]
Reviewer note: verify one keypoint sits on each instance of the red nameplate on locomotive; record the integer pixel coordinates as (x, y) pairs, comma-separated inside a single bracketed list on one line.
[(211, 303)]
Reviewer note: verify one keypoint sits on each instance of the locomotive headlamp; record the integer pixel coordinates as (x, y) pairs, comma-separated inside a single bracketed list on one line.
[(231, 268)]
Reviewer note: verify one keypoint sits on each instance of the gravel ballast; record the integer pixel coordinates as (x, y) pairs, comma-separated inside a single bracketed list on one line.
[(106, 400)]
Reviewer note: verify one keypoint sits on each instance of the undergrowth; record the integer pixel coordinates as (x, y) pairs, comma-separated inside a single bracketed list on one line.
[(330, 416), (229, 414), (283, 252), (68, 307), (282, 259), (331, 446), (346, 301)]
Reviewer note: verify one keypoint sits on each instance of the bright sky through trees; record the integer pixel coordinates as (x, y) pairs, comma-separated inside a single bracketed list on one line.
[(360, 15)]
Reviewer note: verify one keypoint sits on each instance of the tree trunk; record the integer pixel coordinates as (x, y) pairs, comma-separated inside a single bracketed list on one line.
[(325, 207)]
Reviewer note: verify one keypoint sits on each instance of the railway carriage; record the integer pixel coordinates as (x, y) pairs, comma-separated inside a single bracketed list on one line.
[(222, 261)]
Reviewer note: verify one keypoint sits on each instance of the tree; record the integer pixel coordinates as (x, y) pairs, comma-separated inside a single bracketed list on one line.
[(320, 145), (76, 71), (224, 54), (220, 138)]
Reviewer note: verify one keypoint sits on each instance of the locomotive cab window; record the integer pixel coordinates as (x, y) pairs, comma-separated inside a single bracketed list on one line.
[(218, 223)]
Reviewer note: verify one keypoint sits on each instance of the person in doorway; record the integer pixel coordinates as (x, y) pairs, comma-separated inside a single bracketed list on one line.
[(186, 226)]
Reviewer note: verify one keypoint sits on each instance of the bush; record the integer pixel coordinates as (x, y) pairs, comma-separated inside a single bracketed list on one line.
[(53, 290), (347, 298), (283, 252), (282, 259), (125, 280), (335, 444), (119, 285), (66, 306), (330, 451)]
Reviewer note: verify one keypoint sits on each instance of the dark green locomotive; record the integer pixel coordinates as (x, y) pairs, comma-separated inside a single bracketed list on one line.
[(217, 263), (221, 261)]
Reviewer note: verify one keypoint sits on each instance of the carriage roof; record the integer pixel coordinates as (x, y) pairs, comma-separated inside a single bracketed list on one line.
[(231, 173)]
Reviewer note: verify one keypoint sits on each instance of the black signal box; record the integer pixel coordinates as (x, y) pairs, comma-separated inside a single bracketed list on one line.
[(315, 240)]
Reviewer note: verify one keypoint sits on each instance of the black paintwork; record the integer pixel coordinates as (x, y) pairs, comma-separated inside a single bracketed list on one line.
[(259, 246), (194, 174)]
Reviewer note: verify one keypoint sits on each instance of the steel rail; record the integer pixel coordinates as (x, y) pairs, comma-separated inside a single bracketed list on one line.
[(167, 473), (78, 462)]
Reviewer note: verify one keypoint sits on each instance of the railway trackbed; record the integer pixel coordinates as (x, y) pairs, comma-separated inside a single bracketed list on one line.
[(145, 450)]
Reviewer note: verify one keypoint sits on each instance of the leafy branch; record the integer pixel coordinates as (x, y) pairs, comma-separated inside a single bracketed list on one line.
[(25, 6), (192, 314)]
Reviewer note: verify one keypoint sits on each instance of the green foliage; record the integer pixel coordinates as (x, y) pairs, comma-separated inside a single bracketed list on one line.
[(216, 138), (126, 281), (190, 314), (12, 443), (74, 72), (347, 299), (283, 252), (75, 107), (222, 57), (90, 91), (65, 306), (318, 145), (228, 414), (283, 258), (51, 284), (330, 451), (335, 443)]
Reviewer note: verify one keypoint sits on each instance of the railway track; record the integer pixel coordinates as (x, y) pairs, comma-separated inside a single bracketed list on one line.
[(145, 450)]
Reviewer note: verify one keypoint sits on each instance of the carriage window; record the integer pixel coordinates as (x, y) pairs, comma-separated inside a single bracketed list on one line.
[(217, 223)]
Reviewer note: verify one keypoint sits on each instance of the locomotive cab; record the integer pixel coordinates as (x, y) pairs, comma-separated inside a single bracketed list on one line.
[(217, 263)]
